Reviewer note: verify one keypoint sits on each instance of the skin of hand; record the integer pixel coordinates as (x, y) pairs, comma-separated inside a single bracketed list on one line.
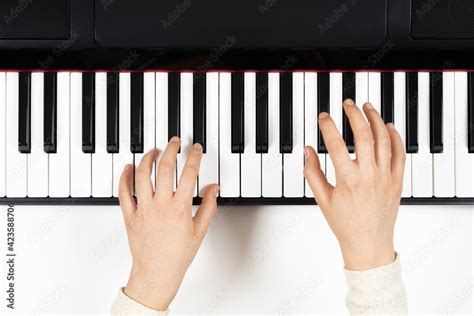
[(163, 235), (361, 209)]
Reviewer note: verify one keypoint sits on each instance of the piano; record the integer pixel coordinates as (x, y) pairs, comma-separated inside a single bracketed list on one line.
[(88, 86)]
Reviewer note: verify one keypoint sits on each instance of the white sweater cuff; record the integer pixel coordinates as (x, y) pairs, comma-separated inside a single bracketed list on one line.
[(125, 305), (377, 291)]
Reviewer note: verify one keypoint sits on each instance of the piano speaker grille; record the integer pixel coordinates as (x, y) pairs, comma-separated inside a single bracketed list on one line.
[(442, 19), (38, 19)]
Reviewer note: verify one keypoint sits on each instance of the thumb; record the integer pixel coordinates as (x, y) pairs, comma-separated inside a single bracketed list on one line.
[(316, 178), (206, 211)]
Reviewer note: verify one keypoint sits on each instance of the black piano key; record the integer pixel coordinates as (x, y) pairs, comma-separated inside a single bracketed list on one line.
[(323, 105), (286, 112), (348, 92), (237, 106), (88, 112), (199, 109), (387, 97), (24, 113), (174, 88), (113, 140), (262, 112), (50, 112), (470, 114), (412, 112), (136, 113), (436, 112)]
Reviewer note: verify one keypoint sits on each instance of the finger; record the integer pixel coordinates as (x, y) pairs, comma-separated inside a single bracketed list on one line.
[(187, 182), (143, 184), (127, 203), (364, 141), (316, 178), (334, 143), (397, 165), (206, 211), (165, 176), (381, 137)]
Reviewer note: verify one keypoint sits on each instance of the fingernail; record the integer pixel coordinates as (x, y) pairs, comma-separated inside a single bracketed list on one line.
[(153, 151), (323, 115), (391, 126), (126, 167), (349, 101), (368, 106), (216, 190), (198, 147), (306, 153), (174, 139)]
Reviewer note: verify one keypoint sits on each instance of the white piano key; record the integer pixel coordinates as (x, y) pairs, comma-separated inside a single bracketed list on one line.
[(293, 164), (443, 163), (124, 156), (422, 161), (362, 88), (399, 105), (464, 164), (102, 161), (38, 160), (59, 184), (161, 129), (3, 118), (311, 121), (272, 172), (229, 178), (81, 163), (16, 162), (186, 122), (148, 118), (335, 101), (375, 90), (209, 172), (250, 160)]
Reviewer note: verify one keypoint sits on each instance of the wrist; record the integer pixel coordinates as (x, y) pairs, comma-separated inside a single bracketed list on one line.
[(366, 259), (148, 289)]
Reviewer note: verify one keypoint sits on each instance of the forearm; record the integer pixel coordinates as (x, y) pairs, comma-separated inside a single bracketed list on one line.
[(124, 305), (377, 291)]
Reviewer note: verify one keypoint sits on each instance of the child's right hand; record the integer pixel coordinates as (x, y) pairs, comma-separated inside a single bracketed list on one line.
[(362, 208)]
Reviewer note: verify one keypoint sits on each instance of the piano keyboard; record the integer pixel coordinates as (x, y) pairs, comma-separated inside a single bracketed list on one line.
[(68, 135)]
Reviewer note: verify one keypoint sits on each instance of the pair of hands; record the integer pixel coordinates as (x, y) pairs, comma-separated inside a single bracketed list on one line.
[(361, 209)]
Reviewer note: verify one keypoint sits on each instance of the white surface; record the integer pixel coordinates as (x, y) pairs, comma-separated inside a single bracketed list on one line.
[(293, 164), (254, 259), (37, 159), (272, 168)]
